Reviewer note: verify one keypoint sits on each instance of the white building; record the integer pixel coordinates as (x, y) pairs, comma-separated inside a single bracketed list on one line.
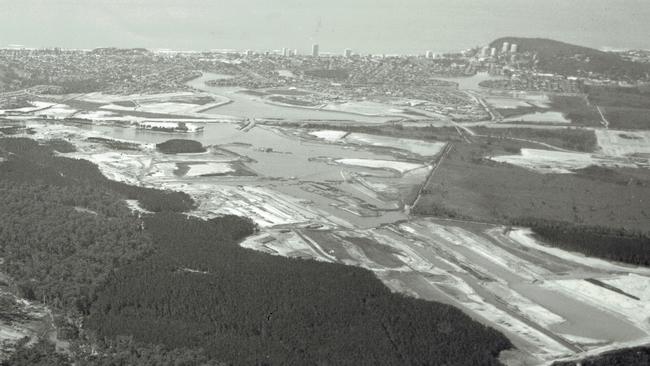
[(315, 50)]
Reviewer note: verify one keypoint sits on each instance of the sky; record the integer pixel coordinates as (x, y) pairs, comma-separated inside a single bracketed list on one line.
[(366, 26)]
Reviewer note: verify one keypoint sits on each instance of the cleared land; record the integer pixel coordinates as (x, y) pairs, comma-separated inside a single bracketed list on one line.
[(419, 147), (504, 277), (545, 161), (542, 297)]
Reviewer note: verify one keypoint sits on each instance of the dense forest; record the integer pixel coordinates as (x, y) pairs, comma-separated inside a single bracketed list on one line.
[(64, 225), (122, 351), (166, 288), (639, 356), (180, 146), (202, 289), (596, 241)]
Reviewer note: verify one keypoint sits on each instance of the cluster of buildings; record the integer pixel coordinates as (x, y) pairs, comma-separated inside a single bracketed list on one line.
[(642, 56), (507, 49), (399, 79), (315, 51), (286, 52), (111, 70), (534, 81)]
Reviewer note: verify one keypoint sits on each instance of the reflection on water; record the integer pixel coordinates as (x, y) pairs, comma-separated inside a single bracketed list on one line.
[(275, 154), (470, 82), (284, 162)]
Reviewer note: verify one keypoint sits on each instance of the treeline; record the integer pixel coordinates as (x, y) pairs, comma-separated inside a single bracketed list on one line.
[(624, 107), (632, 97), (638, 356), (115, 144), (29, 162), (203, 290), (607, 243), (577, 109)]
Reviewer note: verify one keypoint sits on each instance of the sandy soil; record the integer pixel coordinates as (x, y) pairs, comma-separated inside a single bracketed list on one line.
[(548, 161), (399, 166), (623, 143)]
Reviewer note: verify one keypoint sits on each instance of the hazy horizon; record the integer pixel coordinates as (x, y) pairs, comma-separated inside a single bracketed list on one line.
[(366, 26)]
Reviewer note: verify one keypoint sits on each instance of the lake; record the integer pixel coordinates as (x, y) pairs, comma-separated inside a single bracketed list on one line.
[(248, 106)]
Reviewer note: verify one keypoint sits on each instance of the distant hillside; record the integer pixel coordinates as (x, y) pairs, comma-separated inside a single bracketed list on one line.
[(121, 51), (567, 59)]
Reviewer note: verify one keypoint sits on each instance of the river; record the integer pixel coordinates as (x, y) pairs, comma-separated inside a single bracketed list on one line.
[(249, 106)]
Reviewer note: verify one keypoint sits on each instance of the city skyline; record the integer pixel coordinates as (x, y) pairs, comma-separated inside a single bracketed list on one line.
[(366, 27)]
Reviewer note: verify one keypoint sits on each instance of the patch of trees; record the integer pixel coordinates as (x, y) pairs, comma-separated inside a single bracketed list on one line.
[(40, 354), (619, 176), (437, 210), (180, 146), (623, 107), (631, 97), (628, 118), (115, 144), (568, 59), (201, 289), (30, 162), (612, 244), (577, 109), (15, 130), (638, 356), (61, 146)]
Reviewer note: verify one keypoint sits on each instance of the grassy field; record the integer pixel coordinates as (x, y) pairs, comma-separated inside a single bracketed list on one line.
[(576, 109), (628, 117), (625, 108), (466, 186), (571, 138), (519, 111)]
